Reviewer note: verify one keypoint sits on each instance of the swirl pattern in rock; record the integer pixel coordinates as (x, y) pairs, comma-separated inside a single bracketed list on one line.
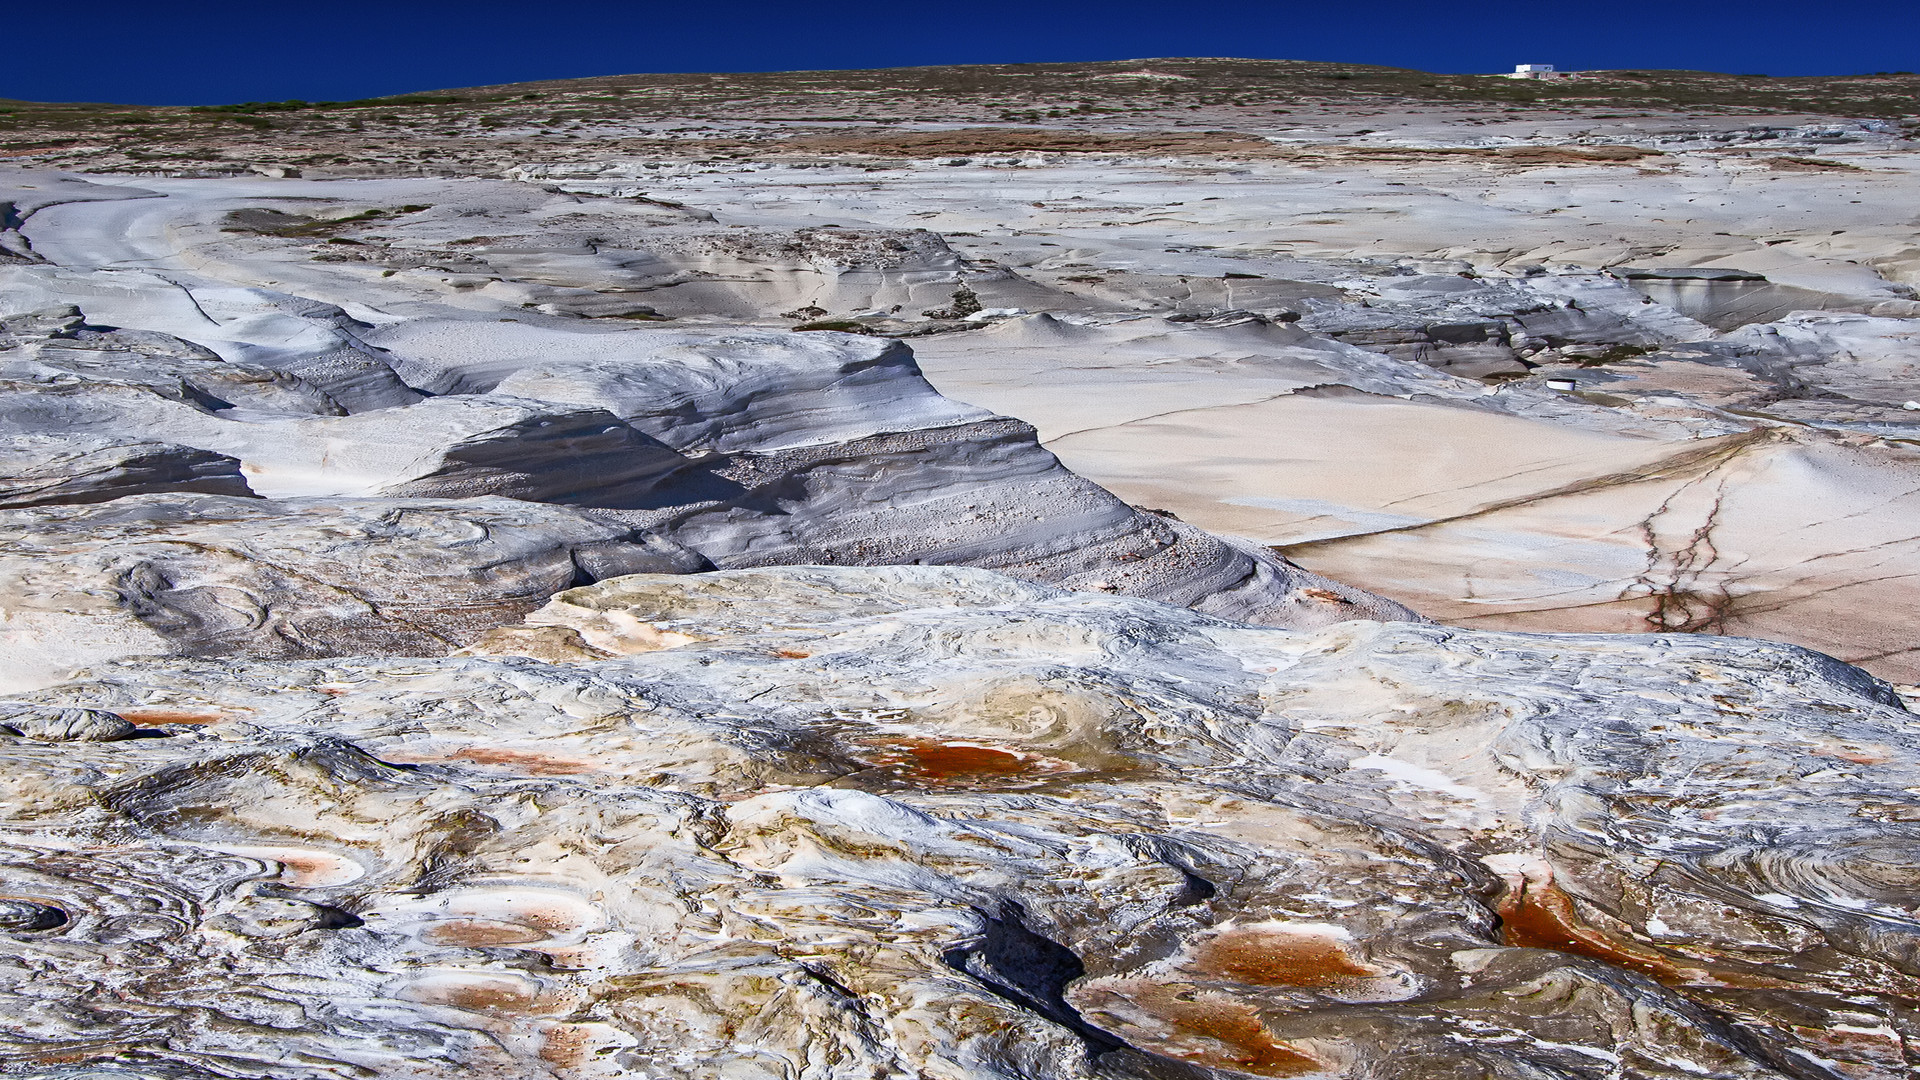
[(684, 450), (923, 821), (212, 575)]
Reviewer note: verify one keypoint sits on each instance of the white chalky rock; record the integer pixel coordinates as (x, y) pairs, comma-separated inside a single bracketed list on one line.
[(188, 574), (929, 821)]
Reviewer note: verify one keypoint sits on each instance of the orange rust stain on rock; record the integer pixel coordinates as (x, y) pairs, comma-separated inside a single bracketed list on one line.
[(546, 920), (1267, 957), (479, 933), (1543, 917), (105, 1054), (1249, 1046), (955, 761), (153, 717), (305, 865), (1215, 1030), (1540, 916), (1858, 755), (565, 1045), (488, 998), (526, 760), (791, 654), (68, 1057), (928, 761), (1883, 1048)]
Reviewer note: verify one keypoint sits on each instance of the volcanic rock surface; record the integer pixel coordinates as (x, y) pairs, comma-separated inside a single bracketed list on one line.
[(717, 446), (575, 580), (1472, 358), (930, 821)]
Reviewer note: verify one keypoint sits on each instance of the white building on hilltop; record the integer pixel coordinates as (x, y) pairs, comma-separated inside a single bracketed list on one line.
[(1538, 71)]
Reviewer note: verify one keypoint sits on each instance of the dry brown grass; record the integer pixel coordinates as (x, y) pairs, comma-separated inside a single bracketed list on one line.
[(1807, 164), (963, 141), (1516, 155)]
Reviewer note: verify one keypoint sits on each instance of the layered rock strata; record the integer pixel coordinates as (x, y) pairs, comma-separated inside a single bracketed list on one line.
[(211, 575), (932, 821), (310, 773), (720, 449)]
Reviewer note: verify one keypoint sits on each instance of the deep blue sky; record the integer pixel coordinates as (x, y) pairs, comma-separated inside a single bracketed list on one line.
[(216, 51)]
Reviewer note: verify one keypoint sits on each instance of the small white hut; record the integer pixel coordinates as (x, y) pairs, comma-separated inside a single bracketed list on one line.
[(1537, 71)]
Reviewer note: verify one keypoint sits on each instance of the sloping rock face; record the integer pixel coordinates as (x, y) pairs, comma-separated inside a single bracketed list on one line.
[(54, 351), (36, 470), (1462, 366), (920, 821), (674, 451)]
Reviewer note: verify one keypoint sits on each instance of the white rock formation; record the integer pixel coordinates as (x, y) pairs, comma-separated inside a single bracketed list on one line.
[(729, 447), (212, 575), (834, 822), (41, 469), (546, 627), (1445, 283)]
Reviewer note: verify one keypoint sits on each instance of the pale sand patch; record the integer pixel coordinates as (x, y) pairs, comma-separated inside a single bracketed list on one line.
[(1304, 467), (1502, 522), (1813, 544), (1810, 543)]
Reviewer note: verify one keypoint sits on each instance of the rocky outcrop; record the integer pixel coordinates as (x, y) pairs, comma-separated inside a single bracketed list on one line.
[(267, 350), (210, 575), (456, 447), (37, 470), (405, 672), (1726, 298), (729, 449), (934, 821), (833, 448), (56, 369)]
